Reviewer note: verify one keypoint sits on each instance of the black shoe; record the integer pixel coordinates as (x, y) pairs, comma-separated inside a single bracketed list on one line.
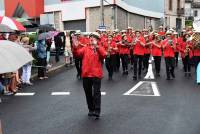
[(134, 78), (139, 76), (96, 115), (110, 78), (189, 74), (91, 113), (172, 74), (185, 74), (126, 72), (168, 79)]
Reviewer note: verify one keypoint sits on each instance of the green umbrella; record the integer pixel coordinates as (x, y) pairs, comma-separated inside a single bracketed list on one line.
[(26, 23), (5, 29)]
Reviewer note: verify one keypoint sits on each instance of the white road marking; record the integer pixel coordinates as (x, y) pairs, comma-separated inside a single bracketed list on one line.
[(155, 89), (103, 93), (24, 94), (153, 85), (134, 88), (60, 93), (149, 74)]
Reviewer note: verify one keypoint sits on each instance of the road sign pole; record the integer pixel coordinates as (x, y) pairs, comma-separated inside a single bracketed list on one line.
[(102, 12)]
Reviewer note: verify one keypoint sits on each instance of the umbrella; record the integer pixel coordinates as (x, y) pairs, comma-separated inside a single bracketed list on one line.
[(26, 23), (42, 36), (52, 34), (12, 23), (5, 29), (12, 56)]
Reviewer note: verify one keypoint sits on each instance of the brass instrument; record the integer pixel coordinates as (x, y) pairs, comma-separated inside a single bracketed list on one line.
[(187, 49), (196, 40)]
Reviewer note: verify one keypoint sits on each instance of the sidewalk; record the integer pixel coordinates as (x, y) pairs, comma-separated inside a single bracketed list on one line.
[(55, 66)]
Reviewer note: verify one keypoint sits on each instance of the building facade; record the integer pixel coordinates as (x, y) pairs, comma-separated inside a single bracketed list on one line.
[(192, 10), (85, 15), (175, 14)]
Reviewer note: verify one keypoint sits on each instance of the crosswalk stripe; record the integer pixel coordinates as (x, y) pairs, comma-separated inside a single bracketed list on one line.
[(60, 93), (24, 94), (103, 93)]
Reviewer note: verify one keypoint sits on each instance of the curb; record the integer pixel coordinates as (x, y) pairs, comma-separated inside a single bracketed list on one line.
[(50, 70)]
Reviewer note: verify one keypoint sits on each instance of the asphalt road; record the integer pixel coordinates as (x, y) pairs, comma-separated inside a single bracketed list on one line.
[(167, 107)]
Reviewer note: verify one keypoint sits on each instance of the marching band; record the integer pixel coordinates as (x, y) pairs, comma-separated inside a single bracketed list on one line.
[(136, 47), (130, 47)]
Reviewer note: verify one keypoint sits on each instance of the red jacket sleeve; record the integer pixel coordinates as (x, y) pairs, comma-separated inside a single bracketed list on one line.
[(80, 51), (102, 52)]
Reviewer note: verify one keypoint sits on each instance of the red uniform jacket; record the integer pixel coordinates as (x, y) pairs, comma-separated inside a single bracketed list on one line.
[(112, 45), (123, 49), (138, 48), (182, 48), (168, 50), (156, 51), (92, 61)]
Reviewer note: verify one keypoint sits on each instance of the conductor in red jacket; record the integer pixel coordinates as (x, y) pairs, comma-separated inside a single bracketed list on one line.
[(92, 73)]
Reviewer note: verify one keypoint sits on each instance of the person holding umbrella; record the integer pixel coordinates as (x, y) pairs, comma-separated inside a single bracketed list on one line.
[(92, 73), (42, 56)]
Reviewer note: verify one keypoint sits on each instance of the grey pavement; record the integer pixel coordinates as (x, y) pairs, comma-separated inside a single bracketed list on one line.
[(175, 111)]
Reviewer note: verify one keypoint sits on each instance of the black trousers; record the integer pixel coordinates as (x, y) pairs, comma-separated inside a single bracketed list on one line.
[(196, 61), (157, 62), (176, 58), (170, 64), (146, 61), (124, 58), (92, 90), (117, 61), (42, 62), (138, 60), (110, 65), (186, 64), (132, 57), (57, 57), (78, 64)]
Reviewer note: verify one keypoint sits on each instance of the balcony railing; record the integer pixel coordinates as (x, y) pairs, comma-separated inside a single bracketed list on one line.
[(180, 11)]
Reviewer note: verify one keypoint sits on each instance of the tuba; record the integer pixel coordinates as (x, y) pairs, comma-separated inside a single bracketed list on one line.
[(195, 38)]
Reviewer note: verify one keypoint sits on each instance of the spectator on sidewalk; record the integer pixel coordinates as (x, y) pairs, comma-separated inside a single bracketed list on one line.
[(26, 69), (42, 56), (58, 42), (67, 53), (48, 49)]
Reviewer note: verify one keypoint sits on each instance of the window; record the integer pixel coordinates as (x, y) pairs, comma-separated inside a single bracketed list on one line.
[(195, 13), (170, 5)]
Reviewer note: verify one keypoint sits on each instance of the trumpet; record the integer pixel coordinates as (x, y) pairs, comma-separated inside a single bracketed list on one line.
[(187, 50)]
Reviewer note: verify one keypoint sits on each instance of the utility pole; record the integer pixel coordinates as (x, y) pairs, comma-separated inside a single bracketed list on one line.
[(102, 12)]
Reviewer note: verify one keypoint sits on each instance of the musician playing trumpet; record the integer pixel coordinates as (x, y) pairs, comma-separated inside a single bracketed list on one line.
[(138, 51), (185, 49), (168, 48), (111, 48)]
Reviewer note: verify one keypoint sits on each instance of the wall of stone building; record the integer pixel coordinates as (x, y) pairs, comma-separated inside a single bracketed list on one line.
[(136, 21), (93, 18), (121, 18), (75, 25)]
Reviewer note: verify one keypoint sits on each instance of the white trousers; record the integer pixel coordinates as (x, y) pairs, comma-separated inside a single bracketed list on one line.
[(26, 73)]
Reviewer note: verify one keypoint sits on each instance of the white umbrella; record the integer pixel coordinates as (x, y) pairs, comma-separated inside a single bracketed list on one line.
[(12, 56)]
